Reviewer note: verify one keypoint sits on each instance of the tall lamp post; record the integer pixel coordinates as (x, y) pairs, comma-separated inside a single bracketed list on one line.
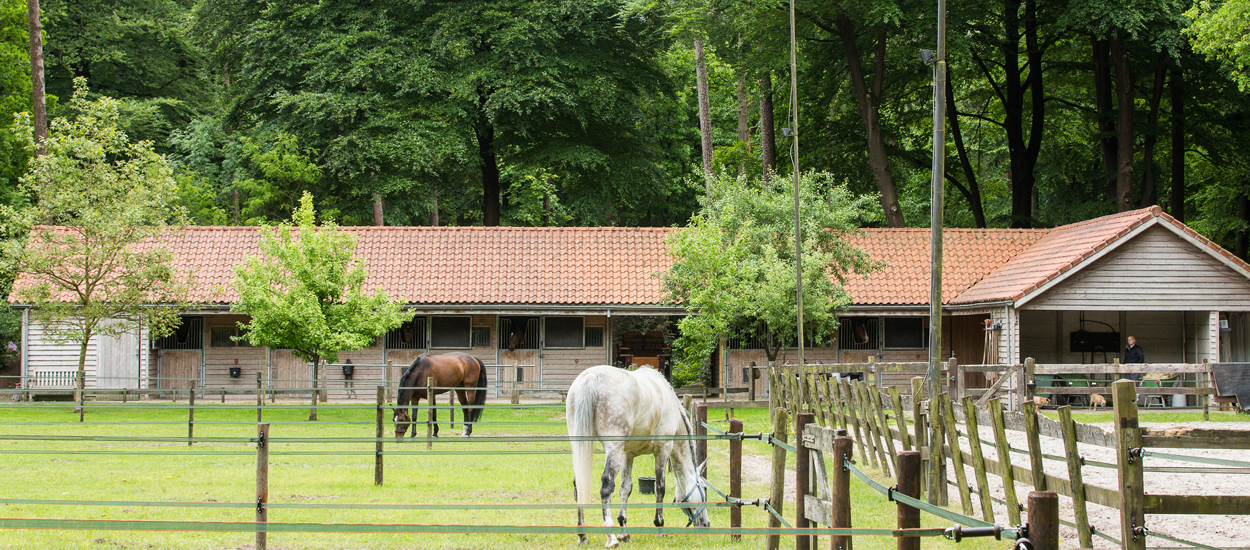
[(936, 483), (794, 159)]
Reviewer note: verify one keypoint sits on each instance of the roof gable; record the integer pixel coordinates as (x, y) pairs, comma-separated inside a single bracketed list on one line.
[(1151, 269)]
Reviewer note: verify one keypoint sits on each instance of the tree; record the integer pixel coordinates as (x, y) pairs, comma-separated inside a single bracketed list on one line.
[(100, 270), (734, 263), (1220, 32), (305, 293)]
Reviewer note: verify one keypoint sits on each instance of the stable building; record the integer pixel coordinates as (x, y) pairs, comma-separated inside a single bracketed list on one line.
[(547, 302)]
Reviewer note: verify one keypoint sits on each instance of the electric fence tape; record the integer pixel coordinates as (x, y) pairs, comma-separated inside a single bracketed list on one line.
[(921, 505)]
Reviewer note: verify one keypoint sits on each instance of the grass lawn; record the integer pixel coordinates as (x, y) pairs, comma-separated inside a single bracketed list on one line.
[(490, 476)]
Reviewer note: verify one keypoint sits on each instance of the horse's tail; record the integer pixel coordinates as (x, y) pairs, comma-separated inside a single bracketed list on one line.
[(479, 396), (580, 418)]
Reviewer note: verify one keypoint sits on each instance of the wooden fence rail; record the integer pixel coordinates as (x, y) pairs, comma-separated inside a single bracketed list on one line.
[(875, 417)]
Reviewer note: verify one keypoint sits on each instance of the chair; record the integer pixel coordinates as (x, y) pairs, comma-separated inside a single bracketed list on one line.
[(1076, 381)]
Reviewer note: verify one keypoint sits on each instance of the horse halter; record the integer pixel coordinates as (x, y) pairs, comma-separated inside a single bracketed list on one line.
[(696, 486)]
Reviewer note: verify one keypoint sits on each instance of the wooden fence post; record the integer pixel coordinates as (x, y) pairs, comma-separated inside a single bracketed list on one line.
[(937, 456), (377, 461), (324, 377), (961, 386), (262, 482), (1129, 465), (735, 475), (883, 419), (840, 486), (855, 427), (870, 417), (451, 409), (908, 466), (1004, 462), (190, 414), (312, 386), (802, 473), (920, 431), (260, 398), (952, 436), (1033, 434), (900, 418), (1044, 520), (700, 446), (777, 490), (978, 462), (1205, 398), (1074, 477)]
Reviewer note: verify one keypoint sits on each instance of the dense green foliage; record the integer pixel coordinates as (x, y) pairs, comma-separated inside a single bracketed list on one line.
[(584, 112), (109, 196), (305, 292), (734, 264)]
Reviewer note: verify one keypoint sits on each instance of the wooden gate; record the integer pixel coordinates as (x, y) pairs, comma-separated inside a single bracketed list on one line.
[(524, 360)]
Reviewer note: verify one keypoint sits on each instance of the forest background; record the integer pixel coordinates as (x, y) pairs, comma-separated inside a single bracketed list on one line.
[(609, 112)]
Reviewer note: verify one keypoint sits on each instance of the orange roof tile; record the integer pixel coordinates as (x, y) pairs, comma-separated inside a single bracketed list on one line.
[(968, 256), (1062, 248), (618, 266)]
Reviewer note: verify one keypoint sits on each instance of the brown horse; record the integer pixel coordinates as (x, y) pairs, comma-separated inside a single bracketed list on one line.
[(451, 370)]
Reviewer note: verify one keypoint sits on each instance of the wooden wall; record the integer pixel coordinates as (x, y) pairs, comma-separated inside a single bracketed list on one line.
[(1155, 271)]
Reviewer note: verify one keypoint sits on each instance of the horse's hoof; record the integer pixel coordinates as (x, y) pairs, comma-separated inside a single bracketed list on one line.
[(612, 543), (623, 538), (464, 435), (582, 540)]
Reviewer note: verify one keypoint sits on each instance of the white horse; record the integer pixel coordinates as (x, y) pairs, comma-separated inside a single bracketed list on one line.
[(608, 402)]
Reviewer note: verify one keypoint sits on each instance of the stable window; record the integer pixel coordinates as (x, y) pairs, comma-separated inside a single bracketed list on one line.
[(450, 332), (905, 333), (410, 335), (189, 335), (518, 333), (859, 333), (564, 332), (224, 337), (594, 337), (481, 337)]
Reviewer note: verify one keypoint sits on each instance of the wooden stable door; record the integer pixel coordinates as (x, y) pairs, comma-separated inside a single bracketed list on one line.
[(290, 371), (179, 368)]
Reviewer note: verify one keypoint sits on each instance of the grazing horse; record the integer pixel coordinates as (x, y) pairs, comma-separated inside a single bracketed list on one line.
[(608, 403), (454, 370)]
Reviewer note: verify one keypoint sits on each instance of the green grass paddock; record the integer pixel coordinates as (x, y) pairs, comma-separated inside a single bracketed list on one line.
[(475, 479)]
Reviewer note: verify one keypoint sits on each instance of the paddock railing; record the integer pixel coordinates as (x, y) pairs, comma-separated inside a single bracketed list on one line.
[(877, 421)]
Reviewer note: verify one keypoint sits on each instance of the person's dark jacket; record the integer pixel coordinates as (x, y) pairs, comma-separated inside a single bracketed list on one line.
[(1134, 354)]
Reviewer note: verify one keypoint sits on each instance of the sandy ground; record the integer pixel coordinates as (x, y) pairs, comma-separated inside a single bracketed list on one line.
[(1220, 531)]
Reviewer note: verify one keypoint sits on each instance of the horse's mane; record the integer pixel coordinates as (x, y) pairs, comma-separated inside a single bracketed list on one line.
[(405, 393)]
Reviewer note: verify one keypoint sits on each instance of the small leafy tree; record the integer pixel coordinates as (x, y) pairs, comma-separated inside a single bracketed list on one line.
[(305, 293), (734, 263), (95, 267)]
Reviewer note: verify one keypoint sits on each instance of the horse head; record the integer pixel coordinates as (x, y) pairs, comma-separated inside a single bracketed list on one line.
[(401, 420), (696, 493), (514, 339)]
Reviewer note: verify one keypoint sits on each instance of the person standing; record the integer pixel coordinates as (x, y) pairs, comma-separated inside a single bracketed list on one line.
[(1133, 354)]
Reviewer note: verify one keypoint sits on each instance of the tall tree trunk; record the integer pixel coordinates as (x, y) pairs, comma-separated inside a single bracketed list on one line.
[(38, 107), (1037, 104), (434, 208), (1243, 237), (490, 173), (1013, 121), (744, 124), (1124, 123), (81, 383), (377, 208), (1149, 192), (768, 137), (1176, 197), (869, 113), (1104, 108), (705, 106), (972, 192)]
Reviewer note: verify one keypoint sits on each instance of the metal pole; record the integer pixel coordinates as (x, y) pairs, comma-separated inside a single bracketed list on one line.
[(935, 223), (794, 159)]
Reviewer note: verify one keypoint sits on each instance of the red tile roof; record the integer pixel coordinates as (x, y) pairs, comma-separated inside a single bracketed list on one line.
[(619, 266), (453, 265), (1053, 255), (968, 256)]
